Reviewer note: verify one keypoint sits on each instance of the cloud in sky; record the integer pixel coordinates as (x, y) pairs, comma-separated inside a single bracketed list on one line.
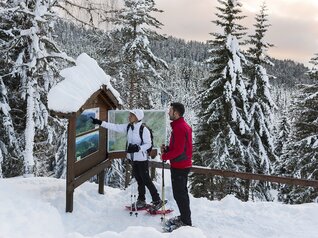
[(294, 30)]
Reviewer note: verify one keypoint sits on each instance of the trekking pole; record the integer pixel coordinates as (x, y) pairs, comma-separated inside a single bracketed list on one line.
[(132, 195), (135, 199), (163, 209), (134, 187), (131, 199)]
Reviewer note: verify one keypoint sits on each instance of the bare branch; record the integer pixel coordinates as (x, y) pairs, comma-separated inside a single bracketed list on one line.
[(76, 18)]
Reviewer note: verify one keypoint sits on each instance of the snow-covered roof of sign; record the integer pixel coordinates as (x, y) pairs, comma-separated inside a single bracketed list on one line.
[(81, 81)]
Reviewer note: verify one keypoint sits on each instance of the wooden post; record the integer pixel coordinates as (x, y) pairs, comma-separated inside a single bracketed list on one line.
[(153, 155), (152, 173), (101, 177), (70, 174)]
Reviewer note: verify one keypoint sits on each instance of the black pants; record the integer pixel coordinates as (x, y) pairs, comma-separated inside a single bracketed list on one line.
[(141, 174), (179, 179)]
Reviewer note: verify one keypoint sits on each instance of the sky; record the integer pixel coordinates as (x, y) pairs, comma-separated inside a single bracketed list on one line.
[(294, 30), (35, 208)]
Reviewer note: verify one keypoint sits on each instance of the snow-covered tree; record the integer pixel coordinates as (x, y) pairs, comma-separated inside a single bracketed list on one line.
[(10, 151), (300, 159), (222, 137), (138, 75), (31, 61), (1, 160), (182, 85), (283, 134), (313, 73), (261, 106), (257, 53)]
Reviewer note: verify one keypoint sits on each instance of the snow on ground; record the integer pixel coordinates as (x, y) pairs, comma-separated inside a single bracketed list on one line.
[(35, 208)]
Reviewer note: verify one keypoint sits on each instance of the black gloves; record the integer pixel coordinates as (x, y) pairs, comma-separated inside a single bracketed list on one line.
[(164, 148), (132, 148), (96, 121)]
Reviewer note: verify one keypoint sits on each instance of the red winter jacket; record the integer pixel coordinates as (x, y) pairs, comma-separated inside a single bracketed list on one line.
[(180, 146)]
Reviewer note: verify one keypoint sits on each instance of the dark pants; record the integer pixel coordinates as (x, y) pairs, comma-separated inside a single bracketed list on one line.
[(179, 179), (141, 174)]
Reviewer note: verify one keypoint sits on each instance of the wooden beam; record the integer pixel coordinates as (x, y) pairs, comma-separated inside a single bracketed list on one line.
[(242, 175), (117, 155), (123, 154), (90, 173), (157, 164)]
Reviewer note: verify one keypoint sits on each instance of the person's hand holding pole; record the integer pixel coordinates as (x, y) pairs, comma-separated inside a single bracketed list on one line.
[(164, 149)]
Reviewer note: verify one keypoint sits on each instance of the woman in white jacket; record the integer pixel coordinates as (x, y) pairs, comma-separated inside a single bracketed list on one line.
[(137, 153)]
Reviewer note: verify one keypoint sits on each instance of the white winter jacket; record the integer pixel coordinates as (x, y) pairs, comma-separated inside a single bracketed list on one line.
[(133, 137)]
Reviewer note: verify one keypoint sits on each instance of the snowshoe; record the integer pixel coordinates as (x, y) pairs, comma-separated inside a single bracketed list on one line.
[(140, 204), (172, 224), (159, 212), (155, 208), (139, 208), (172, 221)]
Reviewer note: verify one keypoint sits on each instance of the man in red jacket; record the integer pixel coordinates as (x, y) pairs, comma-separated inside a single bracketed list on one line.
[(179, 153)]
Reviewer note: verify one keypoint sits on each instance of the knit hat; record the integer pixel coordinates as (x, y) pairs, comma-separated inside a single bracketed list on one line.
[(138, 113)]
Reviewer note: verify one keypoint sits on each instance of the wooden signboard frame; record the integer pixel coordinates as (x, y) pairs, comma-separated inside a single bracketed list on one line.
[(79, 171)]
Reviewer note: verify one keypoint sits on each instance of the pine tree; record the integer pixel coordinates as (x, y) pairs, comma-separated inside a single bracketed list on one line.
[(182, 85), (313, 73), (138, 66), (261, 106), (283, 134), (300, 159), (222, 137), (257, 53), (9, 144), (1, 160), (31, 62)]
